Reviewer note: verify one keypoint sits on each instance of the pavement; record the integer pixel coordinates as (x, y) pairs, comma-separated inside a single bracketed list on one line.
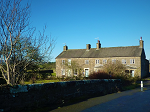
[(127, 101)]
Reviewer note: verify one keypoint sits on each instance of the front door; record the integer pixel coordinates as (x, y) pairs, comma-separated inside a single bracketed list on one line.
[(86, 72), (132, 73)]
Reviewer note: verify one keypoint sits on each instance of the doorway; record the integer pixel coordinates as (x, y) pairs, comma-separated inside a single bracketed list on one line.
[(86, 72)]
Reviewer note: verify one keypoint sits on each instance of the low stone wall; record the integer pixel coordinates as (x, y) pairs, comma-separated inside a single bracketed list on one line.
[(27, 97)]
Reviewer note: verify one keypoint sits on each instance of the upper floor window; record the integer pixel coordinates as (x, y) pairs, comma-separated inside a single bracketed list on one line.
[(63, 62), (132, 61), (113, 60), (124, 61), (69, 61), (86, 61), (104, 61), (96, 61)]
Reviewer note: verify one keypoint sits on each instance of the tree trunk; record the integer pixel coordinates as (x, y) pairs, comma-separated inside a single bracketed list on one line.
[(8, 73)]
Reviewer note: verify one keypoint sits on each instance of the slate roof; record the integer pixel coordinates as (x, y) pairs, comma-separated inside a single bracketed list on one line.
[(129, 51)]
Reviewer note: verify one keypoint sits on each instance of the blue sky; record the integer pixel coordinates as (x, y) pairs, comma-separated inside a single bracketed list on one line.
[(79, 22)]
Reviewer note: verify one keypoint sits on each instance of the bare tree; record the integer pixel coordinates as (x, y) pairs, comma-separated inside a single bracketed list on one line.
[(18, 46), (114, 68), (74, 68)]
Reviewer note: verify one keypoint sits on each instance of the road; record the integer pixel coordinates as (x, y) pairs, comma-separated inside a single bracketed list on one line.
[(127, 101), (137, 102)]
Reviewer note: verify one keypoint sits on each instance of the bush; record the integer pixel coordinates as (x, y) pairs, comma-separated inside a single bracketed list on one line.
[(100, 75), (53, 74), (116, 68), (126, 79)]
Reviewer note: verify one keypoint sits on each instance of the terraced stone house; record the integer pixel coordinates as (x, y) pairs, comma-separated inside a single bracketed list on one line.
[(93, 59)]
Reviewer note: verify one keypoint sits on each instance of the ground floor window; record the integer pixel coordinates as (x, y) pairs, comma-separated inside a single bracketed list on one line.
[(69, 73), (63, 72), (132, 73), (96, 70), (75, 71)]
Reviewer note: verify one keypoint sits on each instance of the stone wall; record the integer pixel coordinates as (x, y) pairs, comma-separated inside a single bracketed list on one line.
[(28, 97)]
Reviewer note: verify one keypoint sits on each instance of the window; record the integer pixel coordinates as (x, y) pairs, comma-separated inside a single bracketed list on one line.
[(96, 70), (123, 61), (132, 61), (104, 61), (63, 62), (75, 71), (63, 72), (96, 61), (69, 61), (69, 73), (132, 73), (86, 61), (113, 60), (127, 72)]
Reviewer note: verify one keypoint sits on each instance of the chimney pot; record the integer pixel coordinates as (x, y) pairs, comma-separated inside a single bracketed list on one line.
[(98, 45), (65, 48), (88, 47), (141, 43)]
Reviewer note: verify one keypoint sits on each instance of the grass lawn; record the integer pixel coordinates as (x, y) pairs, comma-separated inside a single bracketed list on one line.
[(41, 81)]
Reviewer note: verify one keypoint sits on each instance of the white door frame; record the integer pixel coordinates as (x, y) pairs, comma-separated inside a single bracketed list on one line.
[(85, 72)]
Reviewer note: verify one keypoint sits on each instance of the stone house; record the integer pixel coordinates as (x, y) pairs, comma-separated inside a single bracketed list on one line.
[(93, 59)]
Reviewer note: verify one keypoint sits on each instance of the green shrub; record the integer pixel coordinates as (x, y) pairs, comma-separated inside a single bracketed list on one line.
[(53, 74)]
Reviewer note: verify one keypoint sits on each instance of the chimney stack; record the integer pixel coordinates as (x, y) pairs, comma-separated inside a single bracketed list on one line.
[(65, 48), (98, 45), (88, 47), (141, 43)]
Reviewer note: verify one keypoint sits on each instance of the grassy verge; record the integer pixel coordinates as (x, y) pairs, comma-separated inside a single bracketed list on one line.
[(41, 81), (129, 87)]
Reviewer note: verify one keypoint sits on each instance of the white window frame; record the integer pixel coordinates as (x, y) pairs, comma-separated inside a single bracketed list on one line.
[(104, 61), (75, 72), (132, 73), (69, 62), (132, 61), (97, 61), (96, 70), (113, 60), (63, 62), (124, 61), (62, 71), (69, 72), (86, 61)]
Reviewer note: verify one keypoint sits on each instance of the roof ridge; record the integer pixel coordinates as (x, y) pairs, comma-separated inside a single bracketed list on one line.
[(120, 46), (104, 47)]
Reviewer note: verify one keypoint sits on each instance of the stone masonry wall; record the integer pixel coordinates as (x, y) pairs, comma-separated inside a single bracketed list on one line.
[(28, 97), (92, 64)]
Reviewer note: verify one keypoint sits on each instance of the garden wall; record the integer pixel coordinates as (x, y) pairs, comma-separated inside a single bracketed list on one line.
[(27, 97)]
